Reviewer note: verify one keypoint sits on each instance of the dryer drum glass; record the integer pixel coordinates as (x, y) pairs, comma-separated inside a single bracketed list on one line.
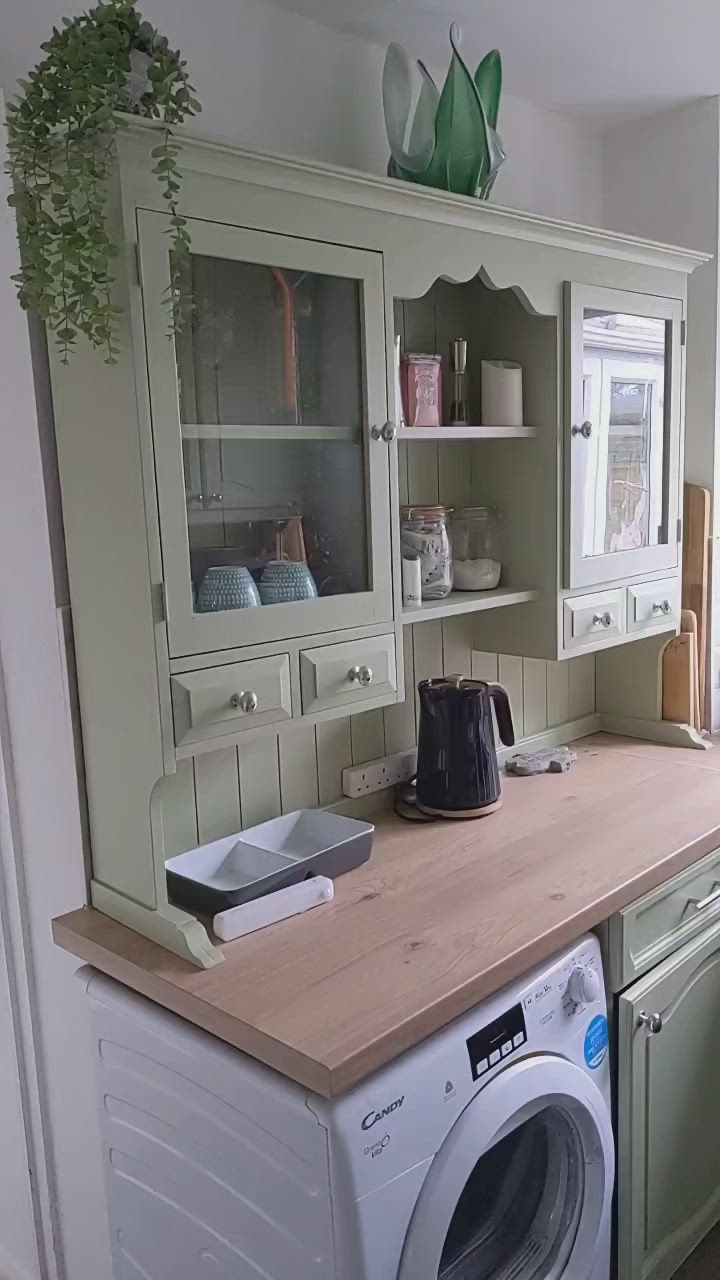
[(518, 1215)]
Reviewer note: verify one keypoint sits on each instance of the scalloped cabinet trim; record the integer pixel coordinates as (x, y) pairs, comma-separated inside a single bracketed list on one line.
[(197, 724)]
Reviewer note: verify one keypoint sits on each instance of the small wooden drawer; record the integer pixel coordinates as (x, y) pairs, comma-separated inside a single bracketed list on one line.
[(588, 620), (655, 926), (229, 700), (653, 606), (351, 674)]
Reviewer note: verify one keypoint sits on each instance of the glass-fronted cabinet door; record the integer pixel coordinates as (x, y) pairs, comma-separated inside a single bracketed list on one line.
[(268, 413), (622, 446)]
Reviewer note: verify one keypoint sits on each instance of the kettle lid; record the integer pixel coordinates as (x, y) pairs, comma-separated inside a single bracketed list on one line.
[(453, 684)]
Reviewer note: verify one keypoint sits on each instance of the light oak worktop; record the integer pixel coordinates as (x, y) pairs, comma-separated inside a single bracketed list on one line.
[(442, 915)]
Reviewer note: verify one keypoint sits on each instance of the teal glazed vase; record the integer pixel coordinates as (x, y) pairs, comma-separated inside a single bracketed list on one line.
[(452, 142), (284, 581), (227, 587)]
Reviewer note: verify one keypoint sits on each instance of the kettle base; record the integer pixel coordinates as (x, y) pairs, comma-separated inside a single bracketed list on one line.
[(462, 813)]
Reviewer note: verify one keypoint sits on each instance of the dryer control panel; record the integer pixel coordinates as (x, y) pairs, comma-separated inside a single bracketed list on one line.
[(497, 1040)]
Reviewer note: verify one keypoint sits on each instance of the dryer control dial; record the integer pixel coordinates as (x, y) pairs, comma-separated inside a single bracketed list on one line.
[(584, 985)]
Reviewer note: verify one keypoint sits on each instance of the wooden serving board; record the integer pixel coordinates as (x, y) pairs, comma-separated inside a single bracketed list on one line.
[(695, 577)]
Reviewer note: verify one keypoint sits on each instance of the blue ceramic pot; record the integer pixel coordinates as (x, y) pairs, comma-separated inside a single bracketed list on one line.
[(227, 587), (286, 580)]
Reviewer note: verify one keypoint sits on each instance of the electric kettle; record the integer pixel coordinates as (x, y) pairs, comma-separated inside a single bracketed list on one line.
[(457, 770)]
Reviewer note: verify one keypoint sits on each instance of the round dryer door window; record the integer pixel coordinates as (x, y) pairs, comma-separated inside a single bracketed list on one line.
[(521, 1188)]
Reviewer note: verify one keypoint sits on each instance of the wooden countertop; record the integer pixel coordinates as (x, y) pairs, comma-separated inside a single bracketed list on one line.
[(442, 915)]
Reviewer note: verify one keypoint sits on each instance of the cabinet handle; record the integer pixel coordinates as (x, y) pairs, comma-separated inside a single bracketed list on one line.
[(245, 701), (386, 432), (602, 619), (360, 675), (702, 904), (662, 606), (651, 1021), (584, 430)]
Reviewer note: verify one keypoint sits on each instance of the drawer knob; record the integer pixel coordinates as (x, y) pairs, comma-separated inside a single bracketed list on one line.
[(651, 1021), (360, 675), (662, 606), (602, 619), (386, 432), (246, 701), (584, 430)]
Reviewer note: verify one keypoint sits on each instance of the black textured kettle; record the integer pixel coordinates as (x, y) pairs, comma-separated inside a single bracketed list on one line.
[(457, 770)]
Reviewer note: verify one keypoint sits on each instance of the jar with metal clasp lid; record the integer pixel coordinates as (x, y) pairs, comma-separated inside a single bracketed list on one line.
[(425, 531), (477, 548)]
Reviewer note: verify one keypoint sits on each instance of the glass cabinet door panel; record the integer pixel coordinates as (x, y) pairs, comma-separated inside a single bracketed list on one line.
[(290, 513), (624, 433), (625, 364), (273, 494), (270, 346)]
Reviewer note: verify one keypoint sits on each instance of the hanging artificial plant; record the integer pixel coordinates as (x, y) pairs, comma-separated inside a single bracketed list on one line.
[(61, 141)]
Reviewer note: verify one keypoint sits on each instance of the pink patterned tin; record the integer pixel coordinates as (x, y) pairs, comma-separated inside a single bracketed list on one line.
[(422, 389)]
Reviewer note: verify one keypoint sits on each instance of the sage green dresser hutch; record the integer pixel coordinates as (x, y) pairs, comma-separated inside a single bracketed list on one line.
[(168, 459)]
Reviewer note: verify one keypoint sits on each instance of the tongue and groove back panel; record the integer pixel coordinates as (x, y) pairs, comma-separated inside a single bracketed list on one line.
[(220, 791)]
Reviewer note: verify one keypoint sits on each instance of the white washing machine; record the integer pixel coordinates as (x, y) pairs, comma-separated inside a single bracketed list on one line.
[(486, 1153)]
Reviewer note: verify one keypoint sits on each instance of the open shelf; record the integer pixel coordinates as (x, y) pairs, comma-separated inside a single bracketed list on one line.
[(466, 602), (466, 433), (226, 431)]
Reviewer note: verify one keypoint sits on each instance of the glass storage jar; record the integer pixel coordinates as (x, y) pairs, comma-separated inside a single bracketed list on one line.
[(425, 531), (476, 542)]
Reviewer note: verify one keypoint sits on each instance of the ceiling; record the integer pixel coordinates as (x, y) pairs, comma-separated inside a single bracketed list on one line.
[(604, 60)]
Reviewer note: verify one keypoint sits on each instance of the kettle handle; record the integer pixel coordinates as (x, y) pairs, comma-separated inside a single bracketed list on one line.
[(503, 713)]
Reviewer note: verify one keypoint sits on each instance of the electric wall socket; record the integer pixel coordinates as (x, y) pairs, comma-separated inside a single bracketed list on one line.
[(361, 779)]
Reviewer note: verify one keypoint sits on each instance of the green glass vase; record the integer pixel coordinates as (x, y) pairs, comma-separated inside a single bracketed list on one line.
[(452, 141)]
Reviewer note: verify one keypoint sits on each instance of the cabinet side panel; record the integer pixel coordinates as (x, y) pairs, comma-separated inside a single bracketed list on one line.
[(106, 530)]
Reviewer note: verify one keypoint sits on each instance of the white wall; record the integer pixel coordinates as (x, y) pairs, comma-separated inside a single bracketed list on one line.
[(280, 81), (18, 1245), (554, 166)]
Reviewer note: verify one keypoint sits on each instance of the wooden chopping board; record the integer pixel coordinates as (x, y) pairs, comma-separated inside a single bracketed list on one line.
[(695, 577), (679, 679)]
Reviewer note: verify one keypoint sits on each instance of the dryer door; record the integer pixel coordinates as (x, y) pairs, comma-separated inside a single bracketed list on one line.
[(521, 1188)]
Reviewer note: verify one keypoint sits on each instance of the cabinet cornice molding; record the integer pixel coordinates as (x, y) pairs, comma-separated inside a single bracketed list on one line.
[(220, 156)]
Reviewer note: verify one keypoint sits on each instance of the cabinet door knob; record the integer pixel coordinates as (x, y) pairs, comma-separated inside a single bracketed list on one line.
[(386, 432), (360, 675), (584, 430), (246, 701), (651, 1021), (602, 620), (662, 606)]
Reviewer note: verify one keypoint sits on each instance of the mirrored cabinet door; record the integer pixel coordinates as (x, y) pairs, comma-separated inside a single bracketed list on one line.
[(273, 489), (622, 443)]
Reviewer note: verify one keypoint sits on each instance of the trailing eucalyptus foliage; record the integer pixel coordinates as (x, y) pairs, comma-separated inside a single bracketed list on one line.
[(61, 136)]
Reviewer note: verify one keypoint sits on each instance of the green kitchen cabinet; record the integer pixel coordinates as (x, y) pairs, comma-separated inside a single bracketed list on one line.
[(668, 1120)]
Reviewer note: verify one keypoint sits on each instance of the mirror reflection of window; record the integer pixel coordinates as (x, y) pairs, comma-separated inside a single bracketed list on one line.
[(624, 383)]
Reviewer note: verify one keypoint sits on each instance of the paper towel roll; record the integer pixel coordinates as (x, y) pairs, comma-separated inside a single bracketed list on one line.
[(502, 398)]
